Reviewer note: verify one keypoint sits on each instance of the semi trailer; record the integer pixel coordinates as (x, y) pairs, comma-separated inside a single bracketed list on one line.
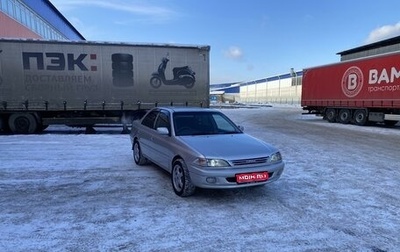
[(93, 83), (361, 91)]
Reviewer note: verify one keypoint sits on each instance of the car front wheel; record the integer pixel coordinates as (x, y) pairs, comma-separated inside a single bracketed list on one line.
[(181, 180), (137, 154)]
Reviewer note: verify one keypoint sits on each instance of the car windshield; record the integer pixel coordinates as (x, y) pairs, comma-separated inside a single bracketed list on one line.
[(203, 123)]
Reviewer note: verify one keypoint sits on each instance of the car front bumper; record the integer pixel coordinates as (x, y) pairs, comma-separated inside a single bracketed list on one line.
[(224, 178)]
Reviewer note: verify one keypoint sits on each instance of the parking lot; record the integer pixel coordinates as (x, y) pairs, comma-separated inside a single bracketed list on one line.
[(66, 191)]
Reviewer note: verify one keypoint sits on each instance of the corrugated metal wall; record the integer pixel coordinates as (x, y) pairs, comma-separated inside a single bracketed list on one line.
[(371, 52), (285, 89)]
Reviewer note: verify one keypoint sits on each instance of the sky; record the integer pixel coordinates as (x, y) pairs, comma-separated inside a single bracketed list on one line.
[(250, 39)]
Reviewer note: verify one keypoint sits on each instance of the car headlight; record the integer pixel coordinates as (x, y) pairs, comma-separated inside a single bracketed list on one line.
[(209, 162), (274, 158)]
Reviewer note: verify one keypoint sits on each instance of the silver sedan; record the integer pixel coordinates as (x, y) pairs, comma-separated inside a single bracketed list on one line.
[(203, 148)]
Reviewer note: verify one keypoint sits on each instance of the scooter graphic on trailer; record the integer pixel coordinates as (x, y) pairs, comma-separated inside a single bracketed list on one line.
[(183, 76)]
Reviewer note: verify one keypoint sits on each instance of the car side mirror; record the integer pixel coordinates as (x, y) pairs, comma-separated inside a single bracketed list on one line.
[(163, 130), (241, 127)]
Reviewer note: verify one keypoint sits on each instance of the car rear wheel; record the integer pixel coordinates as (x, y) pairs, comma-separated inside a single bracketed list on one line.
[(181, 180), (137, 154)]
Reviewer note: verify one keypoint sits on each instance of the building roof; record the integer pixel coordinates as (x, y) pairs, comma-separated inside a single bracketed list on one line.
[(49, 12), (379, 44)]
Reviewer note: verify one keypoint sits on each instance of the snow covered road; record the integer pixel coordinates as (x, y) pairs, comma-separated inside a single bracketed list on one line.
[(67, 191)]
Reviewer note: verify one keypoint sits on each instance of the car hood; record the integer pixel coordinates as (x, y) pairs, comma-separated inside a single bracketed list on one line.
[(229, 146)]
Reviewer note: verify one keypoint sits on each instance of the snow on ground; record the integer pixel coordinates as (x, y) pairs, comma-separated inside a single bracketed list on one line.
[(67, 191)]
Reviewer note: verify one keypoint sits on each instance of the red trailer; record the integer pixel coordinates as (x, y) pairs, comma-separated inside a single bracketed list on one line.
[(357, 91)]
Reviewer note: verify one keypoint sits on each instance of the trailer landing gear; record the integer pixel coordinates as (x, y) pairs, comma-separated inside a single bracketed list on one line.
[(125, 129), (90, 130)]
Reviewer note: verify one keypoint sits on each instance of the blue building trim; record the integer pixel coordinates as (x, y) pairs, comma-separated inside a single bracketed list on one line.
[(272, 78), (47, 11), (232, 90)]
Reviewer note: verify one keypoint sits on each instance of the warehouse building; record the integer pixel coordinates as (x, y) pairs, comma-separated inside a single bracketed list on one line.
[(34, 19), (286, 88), (380, 47)]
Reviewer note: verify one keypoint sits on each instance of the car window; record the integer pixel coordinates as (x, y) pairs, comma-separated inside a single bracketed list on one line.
[(202, 123), (163, 120), (223, 125), (149, 119), (183, 123)]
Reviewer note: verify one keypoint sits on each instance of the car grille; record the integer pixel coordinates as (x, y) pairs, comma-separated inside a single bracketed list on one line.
[(259, 160)]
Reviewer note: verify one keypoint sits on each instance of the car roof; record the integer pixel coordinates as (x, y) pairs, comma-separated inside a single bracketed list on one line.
[(188, 109)]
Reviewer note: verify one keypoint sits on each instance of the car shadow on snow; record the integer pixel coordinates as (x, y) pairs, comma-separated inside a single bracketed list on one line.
[(98, 130), (242, 194), (250, 194)]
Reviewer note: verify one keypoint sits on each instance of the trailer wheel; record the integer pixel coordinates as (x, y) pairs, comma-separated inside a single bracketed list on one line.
[(4, 128), (360, 117), (23, 123), (344, 116), (331, 115)]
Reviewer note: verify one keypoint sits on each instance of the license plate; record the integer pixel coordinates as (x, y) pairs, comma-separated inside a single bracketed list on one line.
[(251, 177)]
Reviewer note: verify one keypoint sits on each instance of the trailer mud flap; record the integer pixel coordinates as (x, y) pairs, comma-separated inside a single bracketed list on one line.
[(376, 116)]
